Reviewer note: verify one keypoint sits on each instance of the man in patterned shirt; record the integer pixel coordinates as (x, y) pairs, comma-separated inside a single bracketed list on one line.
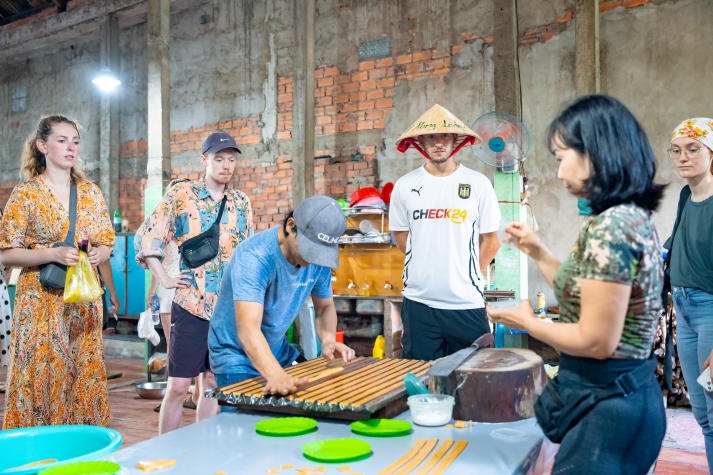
[(188, 209)]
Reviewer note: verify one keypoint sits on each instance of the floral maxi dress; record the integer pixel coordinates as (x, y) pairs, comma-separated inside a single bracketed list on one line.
[(56, 373)]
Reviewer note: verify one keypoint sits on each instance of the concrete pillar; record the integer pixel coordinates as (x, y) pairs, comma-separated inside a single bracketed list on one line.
[(158, 165), (303, 111), (109, 116), (510, 264), (586, 47)]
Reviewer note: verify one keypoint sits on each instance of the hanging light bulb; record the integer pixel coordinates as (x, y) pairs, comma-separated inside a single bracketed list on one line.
[(105, 81)]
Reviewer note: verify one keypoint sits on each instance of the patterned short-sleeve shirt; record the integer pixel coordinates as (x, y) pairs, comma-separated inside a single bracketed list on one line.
[(186, 210), (618, 245)]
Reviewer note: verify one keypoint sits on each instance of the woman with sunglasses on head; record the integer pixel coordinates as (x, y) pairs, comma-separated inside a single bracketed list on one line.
[(691, 150)]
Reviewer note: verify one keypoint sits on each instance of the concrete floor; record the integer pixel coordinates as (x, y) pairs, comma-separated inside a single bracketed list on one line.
[(682, 452)]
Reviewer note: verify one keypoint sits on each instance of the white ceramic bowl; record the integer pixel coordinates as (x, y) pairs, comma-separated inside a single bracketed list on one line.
[(431, 409)]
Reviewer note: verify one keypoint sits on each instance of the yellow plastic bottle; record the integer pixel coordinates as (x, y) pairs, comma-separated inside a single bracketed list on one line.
[(365, 290), (379, 350)]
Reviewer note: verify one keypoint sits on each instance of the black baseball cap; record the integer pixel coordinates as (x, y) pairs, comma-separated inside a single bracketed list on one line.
[(218, 141)]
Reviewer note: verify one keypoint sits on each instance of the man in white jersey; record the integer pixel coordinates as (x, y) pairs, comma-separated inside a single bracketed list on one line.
[(444, 217)]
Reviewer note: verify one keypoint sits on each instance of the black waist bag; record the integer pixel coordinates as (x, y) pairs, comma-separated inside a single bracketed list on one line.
[(560, 407), (198, 250)]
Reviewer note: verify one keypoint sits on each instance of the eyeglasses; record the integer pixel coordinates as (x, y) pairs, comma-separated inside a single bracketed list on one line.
[(690, 151)]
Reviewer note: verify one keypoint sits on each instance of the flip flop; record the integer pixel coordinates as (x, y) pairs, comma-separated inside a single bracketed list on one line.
[(188, 403)]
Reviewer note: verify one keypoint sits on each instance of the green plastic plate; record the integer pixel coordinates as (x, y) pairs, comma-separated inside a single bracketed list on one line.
[(336, 450), (381, 427), (286, 426), (98, 467)]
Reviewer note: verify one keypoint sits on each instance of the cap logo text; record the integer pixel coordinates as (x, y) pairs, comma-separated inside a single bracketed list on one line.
[(327, 238)]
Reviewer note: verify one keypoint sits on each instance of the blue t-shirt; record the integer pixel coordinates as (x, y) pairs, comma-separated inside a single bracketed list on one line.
[(258, 272)]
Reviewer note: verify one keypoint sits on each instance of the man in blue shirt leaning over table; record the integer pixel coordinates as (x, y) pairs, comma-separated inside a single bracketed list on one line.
[(267, 281)]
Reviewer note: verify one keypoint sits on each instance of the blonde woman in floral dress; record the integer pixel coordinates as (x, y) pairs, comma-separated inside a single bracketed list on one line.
[(56, 373)]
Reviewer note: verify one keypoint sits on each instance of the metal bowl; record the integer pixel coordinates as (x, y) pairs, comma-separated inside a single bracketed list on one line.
[(151, 390)]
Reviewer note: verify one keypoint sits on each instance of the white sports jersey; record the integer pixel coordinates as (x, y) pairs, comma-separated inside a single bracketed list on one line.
[(445, 217)]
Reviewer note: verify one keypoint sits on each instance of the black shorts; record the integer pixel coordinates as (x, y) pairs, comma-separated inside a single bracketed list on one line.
[(188, 354), (430, 333)]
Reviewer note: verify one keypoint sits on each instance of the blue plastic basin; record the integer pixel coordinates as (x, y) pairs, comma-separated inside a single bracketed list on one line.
[(66, 443)]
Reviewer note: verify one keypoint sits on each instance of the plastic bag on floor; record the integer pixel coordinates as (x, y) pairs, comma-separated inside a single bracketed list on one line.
[(145, 328)]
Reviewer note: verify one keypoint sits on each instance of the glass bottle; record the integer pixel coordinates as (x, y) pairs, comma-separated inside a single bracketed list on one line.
[(116, 221)]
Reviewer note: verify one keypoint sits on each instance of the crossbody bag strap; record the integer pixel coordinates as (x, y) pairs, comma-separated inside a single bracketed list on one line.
[(220, 213), (682, 199), (668, 317), (72, 213)]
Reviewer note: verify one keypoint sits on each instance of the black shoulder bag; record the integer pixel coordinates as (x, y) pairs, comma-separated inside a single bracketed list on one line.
[(561, 406), (198, 250), (53, 274), (668, 351)]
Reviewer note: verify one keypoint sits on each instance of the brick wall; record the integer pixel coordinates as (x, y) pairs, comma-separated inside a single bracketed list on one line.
[(344, 103)]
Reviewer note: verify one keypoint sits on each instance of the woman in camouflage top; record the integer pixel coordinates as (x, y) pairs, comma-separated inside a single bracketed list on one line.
[(605, 406)]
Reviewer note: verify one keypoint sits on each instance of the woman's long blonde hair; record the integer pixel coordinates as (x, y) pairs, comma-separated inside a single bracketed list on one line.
[(34, 162)]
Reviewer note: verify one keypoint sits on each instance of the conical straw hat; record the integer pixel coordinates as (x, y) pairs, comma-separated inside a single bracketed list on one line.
[(437, 120)]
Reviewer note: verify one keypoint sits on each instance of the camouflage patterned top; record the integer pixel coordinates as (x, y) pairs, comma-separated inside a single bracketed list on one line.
[(619, 245)]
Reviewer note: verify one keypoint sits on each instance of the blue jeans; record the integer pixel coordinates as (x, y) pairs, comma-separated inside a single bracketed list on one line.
[(694, 327), (227, 379)]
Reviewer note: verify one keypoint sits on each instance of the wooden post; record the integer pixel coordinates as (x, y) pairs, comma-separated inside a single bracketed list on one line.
[(586, 47), (506, 69)]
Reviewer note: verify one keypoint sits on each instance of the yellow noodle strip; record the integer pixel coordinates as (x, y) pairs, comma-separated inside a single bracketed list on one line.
[(415, 461), (448, 459), (437, 456), (405, 458)]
